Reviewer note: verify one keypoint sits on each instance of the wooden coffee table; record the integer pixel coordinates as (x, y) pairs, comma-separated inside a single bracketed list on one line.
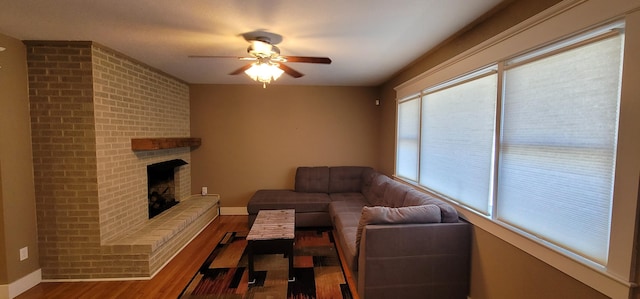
[(272, 232)]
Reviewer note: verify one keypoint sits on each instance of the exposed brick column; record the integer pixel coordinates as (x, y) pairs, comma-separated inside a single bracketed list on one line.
[(64, 156)]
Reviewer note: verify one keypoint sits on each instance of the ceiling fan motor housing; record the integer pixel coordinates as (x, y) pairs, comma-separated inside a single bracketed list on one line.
[(261, 47)]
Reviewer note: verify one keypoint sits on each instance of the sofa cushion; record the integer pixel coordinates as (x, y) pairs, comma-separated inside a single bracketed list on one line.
[(394, 194), (288, 199), (346, 206), (367, 178), (375, 192), (346, 178), (348, 196), (347, 219), (403, 215), (417, 198), (312, 179), (347, 237), (354, 206)]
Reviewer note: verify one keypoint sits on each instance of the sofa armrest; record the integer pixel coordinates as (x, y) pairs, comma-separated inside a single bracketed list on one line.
[(415, 261)]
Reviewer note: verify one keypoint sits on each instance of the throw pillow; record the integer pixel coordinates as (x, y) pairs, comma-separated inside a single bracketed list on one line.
[(402, 215)]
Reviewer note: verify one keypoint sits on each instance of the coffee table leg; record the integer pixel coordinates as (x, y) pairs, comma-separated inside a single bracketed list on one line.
[(252, 279), (290, 249)]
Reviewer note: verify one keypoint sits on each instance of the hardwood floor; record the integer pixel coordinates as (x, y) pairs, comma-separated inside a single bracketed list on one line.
[(168, 283)]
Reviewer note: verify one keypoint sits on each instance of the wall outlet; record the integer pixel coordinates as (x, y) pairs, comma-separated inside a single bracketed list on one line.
[(24, 253), (204, 191)]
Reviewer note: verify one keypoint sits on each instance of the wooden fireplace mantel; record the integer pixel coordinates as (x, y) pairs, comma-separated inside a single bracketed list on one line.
[(149, 144)]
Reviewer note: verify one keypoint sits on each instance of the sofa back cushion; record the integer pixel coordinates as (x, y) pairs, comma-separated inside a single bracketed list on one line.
[(367, 178), (312, 179), (417, 198), (346, 178), (375, 192), (394, 194)]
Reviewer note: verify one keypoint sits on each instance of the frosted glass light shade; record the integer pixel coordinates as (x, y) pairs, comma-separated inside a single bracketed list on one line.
[(264, 72)]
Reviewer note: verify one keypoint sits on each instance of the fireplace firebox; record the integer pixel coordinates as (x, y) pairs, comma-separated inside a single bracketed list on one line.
[(161, 186)]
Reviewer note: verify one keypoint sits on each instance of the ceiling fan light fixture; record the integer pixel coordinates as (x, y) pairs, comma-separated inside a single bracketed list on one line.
[(264, 72)]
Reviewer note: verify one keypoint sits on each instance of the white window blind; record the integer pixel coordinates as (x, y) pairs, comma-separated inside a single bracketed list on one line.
[(558, 145), (456, 150), (408, 139)]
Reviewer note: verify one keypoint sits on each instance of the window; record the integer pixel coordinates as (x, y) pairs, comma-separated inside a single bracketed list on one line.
[(456, 148), (558, 144), (408, 133), (547, 170)]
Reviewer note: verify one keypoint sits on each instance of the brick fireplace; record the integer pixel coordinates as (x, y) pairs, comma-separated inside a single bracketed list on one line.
[(87, 102)]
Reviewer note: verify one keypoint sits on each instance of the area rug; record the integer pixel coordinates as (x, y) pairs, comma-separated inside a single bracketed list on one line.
[(316, 265)]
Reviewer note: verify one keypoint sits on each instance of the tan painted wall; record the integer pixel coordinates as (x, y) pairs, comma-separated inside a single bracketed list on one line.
[(3, 251), (500, 270), (254, 138), (17, 195)]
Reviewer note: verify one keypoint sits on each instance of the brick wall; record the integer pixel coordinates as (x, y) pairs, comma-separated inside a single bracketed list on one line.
[(87, 102), (132, 101)]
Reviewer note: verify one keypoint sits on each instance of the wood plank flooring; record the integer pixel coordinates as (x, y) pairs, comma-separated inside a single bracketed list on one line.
[(168, 283)]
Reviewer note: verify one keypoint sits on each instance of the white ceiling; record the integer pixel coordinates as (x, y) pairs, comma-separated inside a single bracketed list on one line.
[(368, 40)]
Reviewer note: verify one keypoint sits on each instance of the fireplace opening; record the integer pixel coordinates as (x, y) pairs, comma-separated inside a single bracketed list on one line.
[(161, 186)]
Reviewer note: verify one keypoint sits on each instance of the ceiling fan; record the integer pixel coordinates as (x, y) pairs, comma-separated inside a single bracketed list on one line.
[(267, 62)]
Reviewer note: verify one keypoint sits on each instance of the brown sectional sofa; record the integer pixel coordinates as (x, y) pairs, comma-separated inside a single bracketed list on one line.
[(398, 242)]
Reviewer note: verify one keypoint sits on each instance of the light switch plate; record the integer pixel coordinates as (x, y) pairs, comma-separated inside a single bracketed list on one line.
[(24, 253)]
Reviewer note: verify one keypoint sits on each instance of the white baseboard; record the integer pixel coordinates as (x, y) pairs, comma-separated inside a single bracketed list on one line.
[(12, 290), (233, 211)]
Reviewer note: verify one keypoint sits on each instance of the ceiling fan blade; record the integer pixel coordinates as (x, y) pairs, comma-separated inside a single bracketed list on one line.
[(291, 72), (307, 59), (212, 56), (240, 70), (225, 57)]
